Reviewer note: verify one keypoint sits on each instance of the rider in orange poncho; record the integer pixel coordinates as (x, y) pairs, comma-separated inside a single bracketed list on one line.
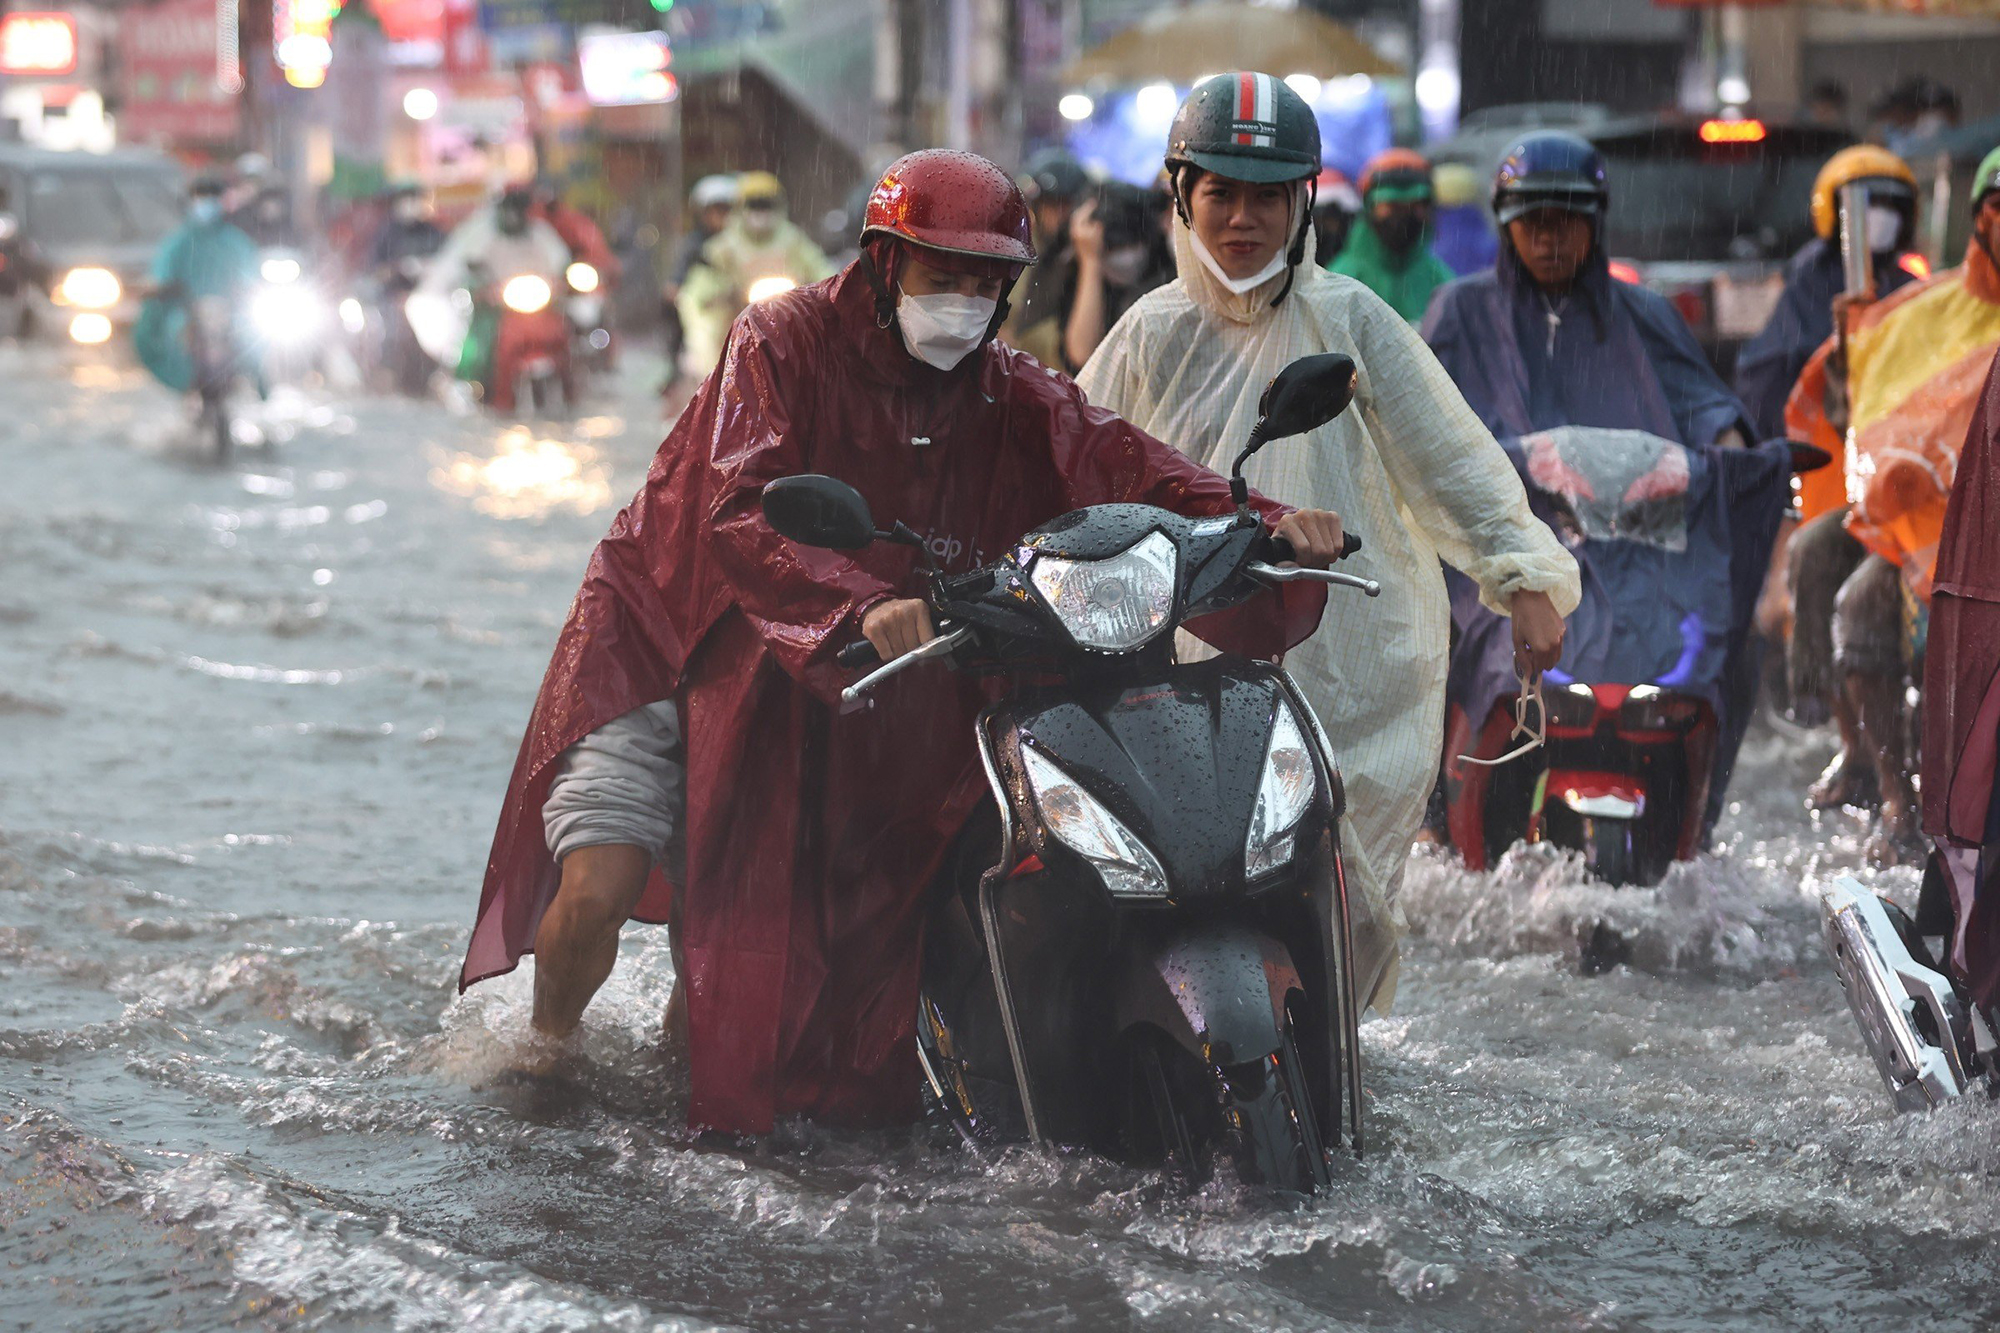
[(1895, 402)]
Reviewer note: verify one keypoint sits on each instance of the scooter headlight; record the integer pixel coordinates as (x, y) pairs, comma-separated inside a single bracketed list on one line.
[(280, 269), (1282, 797), (581, 277), (1082, 824), (286, 314), (89, 289), (1115, 605), (527, 294)]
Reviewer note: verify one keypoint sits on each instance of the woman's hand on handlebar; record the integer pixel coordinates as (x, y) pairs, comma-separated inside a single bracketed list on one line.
[(1315, 535), (897, 627)]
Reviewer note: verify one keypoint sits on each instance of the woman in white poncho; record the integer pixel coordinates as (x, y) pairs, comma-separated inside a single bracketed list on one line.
[(1409, 467)]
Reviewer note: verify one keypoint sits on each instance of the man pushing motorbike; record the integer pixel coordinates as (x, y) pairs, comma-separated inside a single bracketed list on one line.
[(697, 670)]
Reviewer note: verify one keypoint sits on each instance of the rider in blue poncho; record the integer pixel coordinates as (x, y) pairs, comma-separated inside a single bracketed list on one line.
[(207, 257), (1632, 445)]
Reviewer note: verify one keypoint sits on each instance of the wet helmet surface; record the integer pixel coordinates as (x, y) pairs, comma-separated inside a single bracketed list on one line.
[(952, 201), (1550, 169), (1863, 162), (1246, 126)]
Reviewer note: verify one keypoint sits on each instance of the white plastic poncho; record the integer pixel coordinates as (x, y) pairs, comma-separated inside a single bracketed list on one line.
[(1408, 467)]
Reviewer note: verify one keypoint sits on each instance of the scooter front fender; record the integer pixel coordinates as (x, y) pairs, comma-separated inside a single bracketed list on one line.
[(1217, 990)]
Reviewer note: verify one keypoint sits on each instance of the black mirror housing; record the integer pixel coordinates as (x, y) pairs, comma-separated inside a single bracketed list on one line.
[(1305, 395), (815, 510)]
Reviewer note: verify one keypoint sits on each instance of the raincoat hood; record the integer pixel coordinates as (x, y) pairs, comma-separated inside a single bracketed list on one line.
[(812, 835), (1406, 281)]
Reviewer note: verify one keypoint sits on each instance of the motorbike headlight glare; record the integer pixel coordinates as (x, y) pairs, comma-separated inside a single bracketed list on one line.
[(1650, 708), (352, 317), (765, 288), (1081, 823), (1572, 707), (526, 294), (1114, 605), (286, 315), (279, 270), (1282, 796), (89, 289), (581, 277)]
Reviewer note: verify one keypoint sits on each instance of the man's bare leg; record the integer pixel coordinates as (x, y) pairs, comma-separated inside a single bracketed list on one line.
[(578, 939), (1878, 700)]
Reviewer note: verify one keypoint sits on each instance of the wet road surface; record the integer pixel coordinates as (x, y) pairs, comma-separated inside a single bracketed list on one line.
[(254, 726)]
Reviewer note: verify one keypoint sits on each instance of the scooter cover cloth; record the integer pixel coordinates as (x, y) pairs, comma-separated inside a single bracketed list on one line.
[(1565, 399), (1408, 467), (1962, 690), (1916, 362), (813, 834)]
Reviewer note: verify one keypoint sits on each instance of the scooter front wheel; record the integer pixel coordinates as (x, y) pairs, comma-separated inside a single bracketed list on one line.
[(1270, 1122)]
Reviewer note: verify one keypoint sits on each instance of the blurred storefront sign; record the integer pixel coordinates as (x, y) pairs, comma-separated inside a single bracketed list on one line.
[(168, 75), (625, 68), (36, 45)]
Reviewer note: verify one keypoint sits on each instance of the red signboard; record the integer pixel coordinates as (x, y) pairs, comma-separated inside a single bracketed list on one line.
[(37, 44), (167, 74)]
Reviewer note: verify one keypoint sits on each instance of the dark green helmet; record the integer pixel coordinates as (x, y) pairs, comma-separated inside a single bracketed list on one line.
[(1246, 126), (1986, 179)]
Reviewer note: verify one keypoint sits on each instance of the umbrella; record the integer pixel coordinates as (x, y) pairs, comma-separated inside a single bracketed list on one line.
[(1181, 45)]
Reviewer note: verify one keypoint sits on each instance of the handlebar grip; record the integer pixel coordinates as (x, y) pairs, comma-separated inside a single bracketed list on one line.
[(860, 653), (1281, 550)]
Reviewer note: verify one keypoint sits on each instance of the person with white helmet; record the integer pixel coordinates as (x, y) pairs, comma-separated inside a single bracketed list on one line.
[(758, 253), (1409, 465)]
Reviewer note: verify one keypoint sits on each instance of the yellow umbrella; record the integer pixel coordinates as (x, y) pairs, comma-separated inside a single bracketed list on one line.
[(1180, 45)]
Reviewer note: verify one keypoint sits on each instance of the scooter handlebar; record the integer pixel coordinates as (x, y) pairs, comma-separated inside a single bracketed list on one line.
[(1281, 550), (860, 653)]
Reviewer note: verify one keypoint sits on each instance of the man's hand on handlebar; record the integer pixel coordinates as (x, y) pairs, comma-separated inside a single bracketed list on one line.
[(1315, 534), (897, 627)]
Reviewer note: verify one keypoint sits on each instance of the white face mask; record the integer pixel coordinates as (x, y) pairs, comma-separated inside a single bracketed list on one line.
[(939, 330), (1883, 227), (1237, 286)]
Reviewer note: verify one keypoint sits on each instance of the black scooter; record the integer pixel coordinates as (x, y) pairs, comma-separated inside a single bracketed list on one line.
[(1144, 951)]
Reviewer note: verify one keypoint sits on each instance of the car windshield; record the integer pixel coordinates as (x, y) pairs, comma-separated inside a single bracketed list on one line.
[(1676, 198), (74, 208)]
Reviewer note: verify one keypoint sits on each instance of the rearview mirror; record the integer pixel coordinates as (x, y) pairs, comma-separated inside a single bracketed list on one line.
[(814, 510), (1305, 395)]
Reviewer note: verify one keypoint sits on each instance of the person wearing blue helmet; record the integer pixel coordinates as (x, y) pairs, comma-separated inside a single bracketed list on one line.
[(1597, 389)]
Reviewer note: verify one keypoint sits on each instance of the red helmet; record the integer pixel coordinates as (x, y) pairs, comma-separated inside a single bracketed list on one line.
[(953, 202)]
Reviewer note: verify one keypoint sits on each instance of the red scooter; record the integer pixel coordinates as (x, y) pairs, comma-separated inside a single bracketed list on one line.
[(1623, 779)]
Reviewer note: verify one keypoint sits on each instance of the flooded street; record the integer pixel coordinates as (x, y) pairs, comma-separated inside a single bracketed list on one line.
[(255, 723)]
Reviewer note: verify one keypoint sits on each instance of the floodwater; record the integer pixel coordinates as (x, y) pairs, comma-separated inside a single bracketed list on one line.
[(254, 726)]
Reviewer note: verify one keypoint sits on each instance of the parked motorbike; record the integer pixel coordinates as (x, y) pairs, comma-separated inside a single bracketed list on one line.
[(1146, 951)]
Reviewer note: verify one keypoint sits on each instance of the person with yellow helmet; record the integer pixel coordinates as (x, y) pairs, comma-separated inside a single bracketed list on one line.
[(759, 252), (1769, 363), (1894, 396)]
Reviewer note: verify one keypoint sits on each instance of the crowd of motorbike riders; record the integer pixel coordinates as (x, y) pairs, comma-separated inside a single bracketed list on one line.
[(1599, 558)]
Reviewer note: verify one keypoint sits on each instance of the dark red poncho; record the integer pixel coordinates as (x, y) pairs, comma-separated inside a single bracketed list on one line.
[(812, 834), (1962, 679)]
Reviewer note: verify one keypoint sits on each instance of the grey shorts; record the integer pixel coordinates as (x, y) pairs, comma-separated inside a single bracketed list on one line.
[(625, 783)]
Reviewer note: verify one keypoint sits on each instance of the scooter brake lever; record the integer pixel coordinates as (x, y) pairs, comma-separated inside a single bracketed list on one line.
[(1295, 574), (942, 646)]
